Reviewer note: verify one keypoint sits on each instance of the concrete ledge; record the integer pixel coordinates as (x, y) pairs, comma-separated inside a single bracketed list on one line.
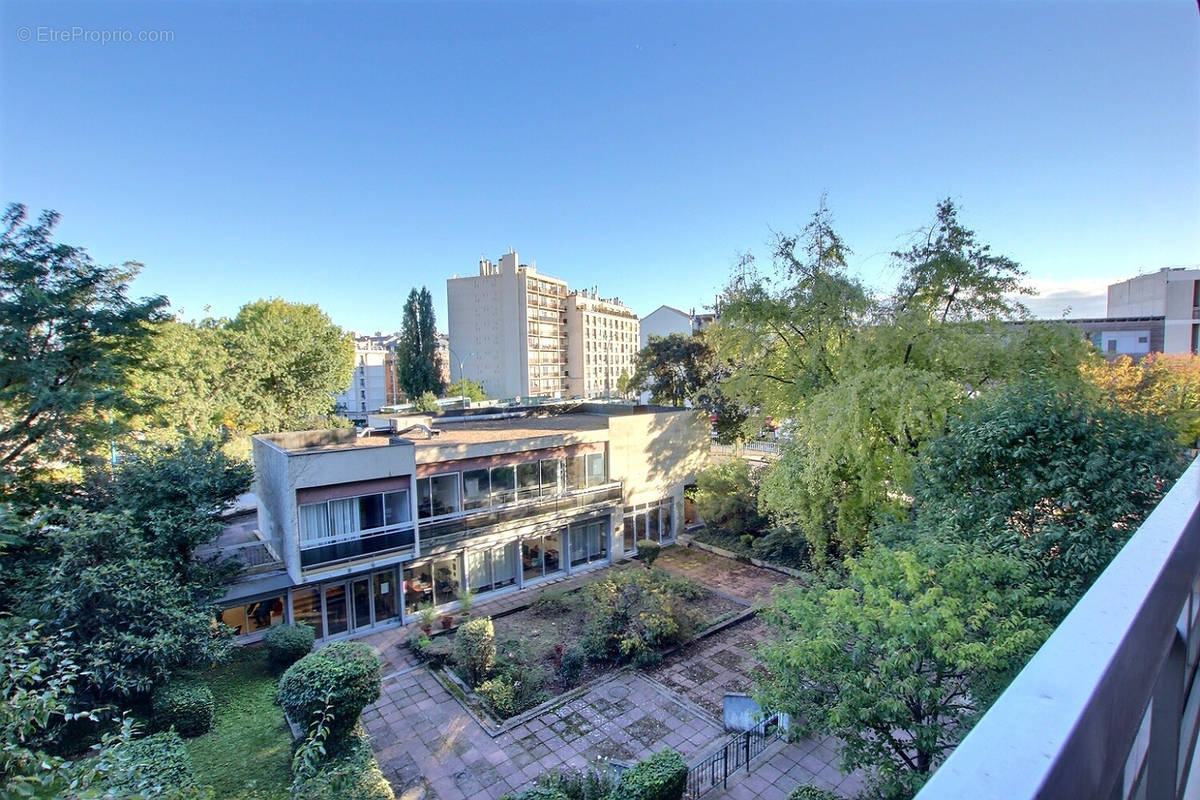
[(689, 540)]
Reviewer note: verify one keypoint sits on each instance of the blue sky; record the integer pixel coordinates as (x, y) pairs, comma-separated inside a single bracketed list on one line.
[(341, 154)]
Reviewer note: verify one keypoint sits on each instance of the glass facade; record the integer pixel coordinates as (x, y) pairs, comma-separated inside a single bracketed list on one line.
[(654, 521)]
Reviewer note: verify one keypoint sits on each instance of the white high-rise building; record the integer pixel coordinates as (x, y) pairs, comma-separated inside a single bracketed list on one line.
[(508, 329), (602, 344), (373, 382)]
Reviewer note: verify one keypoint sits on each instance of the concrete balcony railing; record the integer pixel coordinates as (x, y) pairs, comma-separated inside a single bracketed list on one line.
[(245, 544), (1108, 707)]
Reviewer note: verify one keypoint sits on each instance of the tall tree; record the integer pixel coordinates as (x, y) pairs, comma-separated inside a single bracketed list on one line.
[(672, 368), (901, 657), (1167, 386), (291, 359), (69, 335), (417, 362)]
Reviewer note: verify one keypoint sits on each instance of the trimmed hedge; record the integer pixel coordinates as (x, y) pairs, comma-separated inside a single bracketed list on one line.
[(287, 644), (353, 775), (475, 649), (186, 704), (662, 776), (538, 793), (648, 550), (345, 673), (158, 765)]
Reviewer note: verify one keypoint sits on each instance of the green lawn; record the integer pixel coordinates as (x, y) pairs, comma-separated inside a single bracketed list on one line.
[(247, 755)]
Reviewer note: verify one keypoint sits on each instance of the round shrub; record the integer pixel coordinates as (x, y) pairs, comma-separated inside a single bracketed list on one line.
[(287, 644), (157, 766), (648, 550), (475, 649), (346, 674), (662, 776), (573, 662), (185, 704)]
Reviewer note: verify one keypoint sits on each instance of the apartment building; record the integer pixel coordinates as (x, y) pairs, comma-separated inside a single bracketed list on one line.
[(362, 530), (373, 382), (602, 344), (508, 329)]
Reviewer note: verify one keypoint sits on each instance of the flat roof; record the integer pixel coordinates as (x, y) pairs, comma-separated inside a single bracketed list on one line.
[(501, 430)]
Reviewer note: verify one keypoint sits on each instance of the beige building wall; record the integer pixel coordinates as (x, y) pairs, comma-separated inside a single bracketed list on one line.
[(507, 329), (603, 338)]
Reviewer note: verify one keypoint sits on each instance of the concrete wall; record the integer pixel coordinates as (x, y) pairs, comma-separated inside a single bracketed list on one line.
[(1169, 293), (654, 453)]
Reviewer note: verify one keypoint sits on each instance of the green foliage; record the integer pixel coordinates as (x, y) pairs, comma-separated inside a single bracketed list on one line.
[(463, 387), (291, 359), (346, 674), (426, 616), (726, 496), (594, 783), (813, 793), (513, 691), (648, 551), (475, 649), (183, 704), (630, 612), (538, 793), (426, 401), (417, 363), (1052, 478), (867, 381), (570, 669), (672, 368), (71, 337), (662, 776), (900, 658), (134, 621), (157, 766), (354, 774), (287, 644)]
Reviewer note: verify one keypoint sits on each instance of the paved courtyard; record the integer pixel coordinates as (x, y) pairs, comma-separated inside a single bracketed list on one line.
[(430, 748)]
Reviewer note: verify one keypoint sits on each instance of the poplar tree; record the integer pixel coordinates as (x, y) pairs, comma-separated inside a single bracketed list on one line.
[(417, 364)]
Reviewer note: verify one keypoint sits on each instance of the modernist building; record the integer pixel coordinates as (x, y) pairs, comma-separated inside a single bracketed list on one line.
[(360, 531), (508, 329), (602, 344), (1172, 295), (373, 382)]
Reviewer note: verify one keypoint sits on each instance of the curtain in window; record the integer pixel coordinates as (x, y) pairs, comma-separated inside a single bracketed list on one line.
[(314, 522), (504, 565), (343, 517)]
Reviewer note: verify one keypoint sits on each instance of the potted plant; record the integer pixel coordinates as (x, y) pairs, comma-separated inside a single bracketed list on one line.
[(447, 621), (465, 600), (425, 616)]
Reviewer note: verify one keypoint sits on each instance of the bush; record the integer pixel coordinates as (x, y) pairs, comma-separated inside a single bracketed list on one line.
[(551, 601), (287, 644), (648, 551), (632, 611), (813, 793), (353, 775), (662, 776), (475, 649), (571, 667), (158, 765), (538, 793), (186, 704), (511, 693), (576, 784), (344, 673)]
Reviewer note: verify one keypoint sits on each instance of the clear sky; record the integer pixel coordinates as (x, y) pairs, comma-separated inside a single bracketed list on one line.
[(342, 154)]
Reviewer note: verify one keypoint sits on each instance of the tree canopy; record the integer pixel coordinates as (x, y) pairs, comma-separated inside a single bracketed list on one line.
[(1047, 475), (1165, 386), (464, 387), (70, 335), (900, 658), (418, 367)]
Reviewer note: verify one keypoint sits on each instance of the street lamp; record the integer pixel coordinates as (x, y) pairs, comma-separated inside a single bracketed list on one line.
[(462, 381)]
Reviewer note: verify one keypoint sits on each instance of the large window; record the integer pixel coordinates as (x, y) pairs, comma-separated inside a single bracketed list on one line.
[(437, 496), (337, 520), (488, 570), (654, 521), (255, 616), (477, 489), (589, 542), (504, 485), (586, 470)]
